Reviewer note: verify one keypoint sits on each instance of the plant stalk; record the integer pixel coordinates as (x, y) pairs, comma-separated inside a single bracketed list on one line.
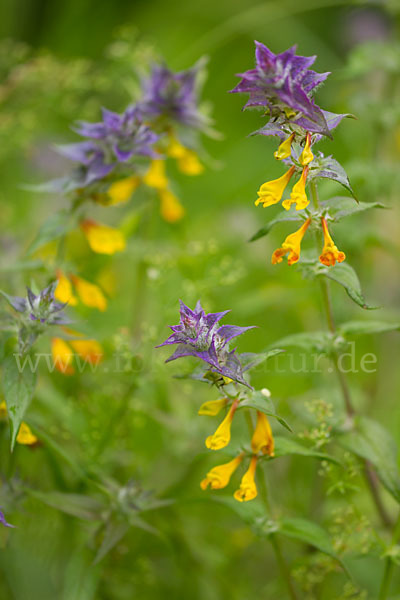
[(389, 566)]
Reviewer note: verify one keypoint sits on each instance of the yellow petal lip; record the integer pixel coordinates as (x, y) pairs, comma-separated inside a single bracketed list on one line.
[(156, 176), (262, 439), (291, 246), (306, 156), (285, 148), (248, 489), (62, 356), (171, 209), (25, 435), (89, 293), (298, 195), (103, 239), (330, 253), (63, 291), (122, 190), (271, 191), (212, 407), (222, 436), (90, 350), (219, 476)]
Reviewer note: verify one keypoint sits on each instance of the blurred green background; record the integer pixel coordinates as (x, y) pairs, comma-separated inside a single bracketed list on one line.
[(81, 55)]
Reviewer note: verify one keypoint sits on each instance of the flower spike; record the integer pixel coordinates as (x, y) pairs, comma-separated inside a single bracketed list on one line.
[(222, 435), (298, 195), (247, 490), (262, 440), (271, 191), (306, 156), (219, 476), (285, 148), (330, 253), (291, 245)]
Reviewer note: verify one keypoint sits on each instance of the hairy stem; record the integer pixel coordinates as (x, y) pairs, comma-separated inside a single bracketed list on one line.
[(342, 380), (275, 542)]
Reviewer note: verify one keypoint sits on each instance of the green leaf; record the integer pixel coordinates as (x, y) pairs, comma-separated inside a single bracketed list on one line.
[(366, 327), (77, 505), (259, 402), (329, 168), (371, 441), (346, 276), (250, 360), (286, 446), (309, 533), (114, 531), (313, 341), (56, 226), (18, 387), (343, 206), (281, 218)]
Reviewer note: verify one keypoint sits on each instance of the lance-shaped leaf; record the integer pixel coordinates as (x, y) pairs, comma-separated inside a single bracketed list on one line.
[(366, 327), (346, 276), (286, 446), (342, 206), (308, 532), (250, 360), (18, 387), (313, 341), (281, 218), (259, 402), (329, 168), (81, 506), (371, 441), (56, 226)]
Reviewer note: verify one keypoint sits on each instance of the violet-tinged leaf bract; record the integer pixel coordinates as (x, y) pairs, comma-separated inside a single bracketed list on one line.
[(199, 334)]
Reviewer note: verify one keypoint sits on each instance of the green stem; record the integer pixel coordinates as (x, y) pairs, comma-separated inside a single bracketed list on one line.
[(342, 380), (275, 542), (389, 566)]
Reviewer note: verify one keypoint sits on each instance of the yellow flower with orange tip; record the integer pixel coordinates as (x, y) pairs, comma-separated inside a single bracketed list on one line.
[(121, 191), (291, 245), (298, 195), (306, 156), (212, 407), (25, 435), (262, 440), (89, 293), (271, 192), (90, 350), (63, 291), (103, 239), (285, 148), (219, 476), (155, 176), (247, 490), (222, 435), (330, 253), (62, 356), (171, 209)]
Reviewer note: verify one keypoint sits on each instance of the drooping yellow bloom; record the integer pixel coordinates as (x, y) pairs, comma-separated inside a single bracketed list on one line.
[(285, 148), (89, 293), (262, 440), (103, 239), (3, 410), (298, 195), (62, 356), (247, 490), (175, 149), (121, 191), (291, 245), (25, 435), (271, 192), (219, 476), (155, 176), (222, 435), (171, 209), (330, 253), (63, 291), (189, 163), (212, 407), (306, 156), (90, 350)]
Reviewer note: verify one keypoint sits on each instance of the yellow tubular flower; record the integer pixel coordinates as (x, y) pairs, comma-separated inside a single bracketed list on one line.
[(171, 209), (175, 149), (271, 191), (3, 410), (103, 239), (306, 156), (212, 407), (189, 163), (63, 291), (90, 350), (247, 490), (89, 293), (285, 148), (330, 253), (291, 245), (298, 195), (62, 356), (262, 440), (219, 476), (222, 435), (155, 176), (122, 190), (25, 435)]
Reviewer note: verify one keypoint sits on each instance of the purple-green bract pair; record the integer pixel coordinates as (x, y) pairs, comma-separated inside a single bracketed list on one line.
[(199, 334)]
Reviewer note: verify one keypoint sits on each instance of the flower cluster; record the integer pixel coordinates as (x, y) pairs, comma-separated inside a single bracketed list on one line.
[(200, 335), (283, 85)]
